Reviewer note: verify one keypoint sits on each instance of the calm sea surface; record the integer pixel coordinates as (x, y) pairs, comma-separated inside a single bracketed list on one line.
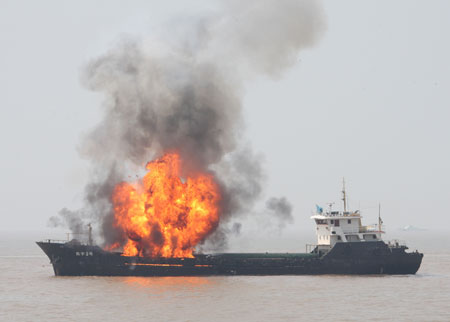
[(30, 292)]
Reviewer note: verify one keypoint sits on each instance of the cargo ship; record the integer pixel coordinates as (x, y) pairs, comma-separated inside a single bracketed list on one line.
[(344, 246)]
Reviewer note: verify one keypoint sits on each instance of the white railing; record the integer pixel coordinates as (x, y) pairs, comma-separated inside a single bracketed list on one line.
[(341, 214), (396, 243), (60, 241), (359, 230), (54, 241), (310, 247), (349, 231)]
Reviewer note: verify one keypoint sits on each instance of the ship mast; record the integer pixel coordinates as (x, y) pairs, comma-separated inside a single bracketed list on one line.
[(90, 241), (344, 197), (379, 217)]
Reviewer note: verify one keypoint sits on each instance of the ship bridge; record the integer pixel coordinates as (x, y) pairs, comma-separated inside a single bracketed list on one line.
[(343, 226)]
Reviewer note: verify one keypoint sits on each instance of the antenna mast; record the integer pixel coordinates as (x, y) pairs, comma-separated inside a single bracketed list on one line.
[(90, 242), (344, 196), (379, 217)]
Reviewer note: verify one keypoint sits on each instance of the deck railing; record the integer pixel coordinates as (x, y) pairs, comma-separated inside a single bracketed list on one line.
[(310, 247), (54, 241), (396, 243), (340, 214), (359, 230)]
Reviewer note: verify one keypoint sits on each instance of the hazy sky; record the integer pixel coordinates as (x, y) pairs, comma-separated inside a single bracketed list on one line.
[(370, 102)]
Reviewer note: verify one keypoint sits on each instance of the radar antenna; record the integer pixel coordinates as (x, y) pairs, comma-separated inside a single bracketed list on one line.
[(330, 205)]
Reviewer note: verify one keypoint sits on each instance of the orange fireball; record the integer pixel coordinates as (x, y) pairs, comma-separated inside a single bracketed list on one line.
[(165, 216)]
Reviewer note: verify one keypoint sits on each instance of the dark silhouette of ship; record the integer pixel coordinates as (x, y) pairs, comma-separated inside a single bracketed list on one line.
[(344, 246)]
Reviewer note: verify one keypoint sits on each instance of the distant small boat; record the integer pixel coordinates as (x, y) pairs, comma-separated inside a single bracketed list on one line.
[(412, 228)]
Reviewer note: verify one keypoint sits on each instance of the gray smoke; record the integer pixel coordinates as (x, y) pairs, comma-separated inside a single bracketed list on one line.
[(71, 219), (281, 209), (183, 91)]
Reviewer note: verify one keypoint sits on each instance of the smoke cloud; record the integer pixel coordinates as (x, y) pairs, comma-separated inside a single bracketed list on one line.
[(71, 219), (281, 209), (183, 91)]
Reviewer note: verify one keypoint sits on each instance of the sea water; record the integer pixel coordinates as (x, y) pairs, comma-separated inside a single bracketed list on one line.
[(29, 291)]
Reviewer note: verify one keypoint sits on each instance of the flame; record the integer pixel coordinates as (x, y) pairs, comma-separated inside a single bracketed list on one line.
[(163, 215), (112, 246)]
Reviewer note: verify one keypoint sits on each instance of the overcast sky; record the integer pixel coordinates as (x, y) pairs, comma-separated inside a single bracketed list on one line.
[(370, 102)]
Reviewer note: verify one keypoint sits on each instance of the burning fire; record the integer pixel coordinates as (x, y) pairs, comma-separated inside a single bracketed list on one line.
[(164, 215)]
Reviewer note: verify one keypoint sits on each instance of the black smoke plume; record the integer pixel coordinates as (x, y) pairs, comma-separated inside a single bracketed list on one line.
[(183, 91)]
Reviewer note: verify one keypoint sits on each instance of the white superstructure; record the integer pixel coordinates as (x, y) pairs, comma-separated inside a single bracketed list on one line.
[(343, 226)]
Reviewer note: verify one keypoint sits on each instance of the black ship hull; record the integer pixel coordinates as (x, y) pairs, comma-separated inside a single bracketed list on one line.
[(74, 259)]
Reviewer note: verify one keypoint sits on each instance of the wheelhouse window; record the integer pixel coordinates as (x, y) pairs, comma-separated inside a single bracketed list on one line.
[(320, 222), (336, 223), (349, 221)]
